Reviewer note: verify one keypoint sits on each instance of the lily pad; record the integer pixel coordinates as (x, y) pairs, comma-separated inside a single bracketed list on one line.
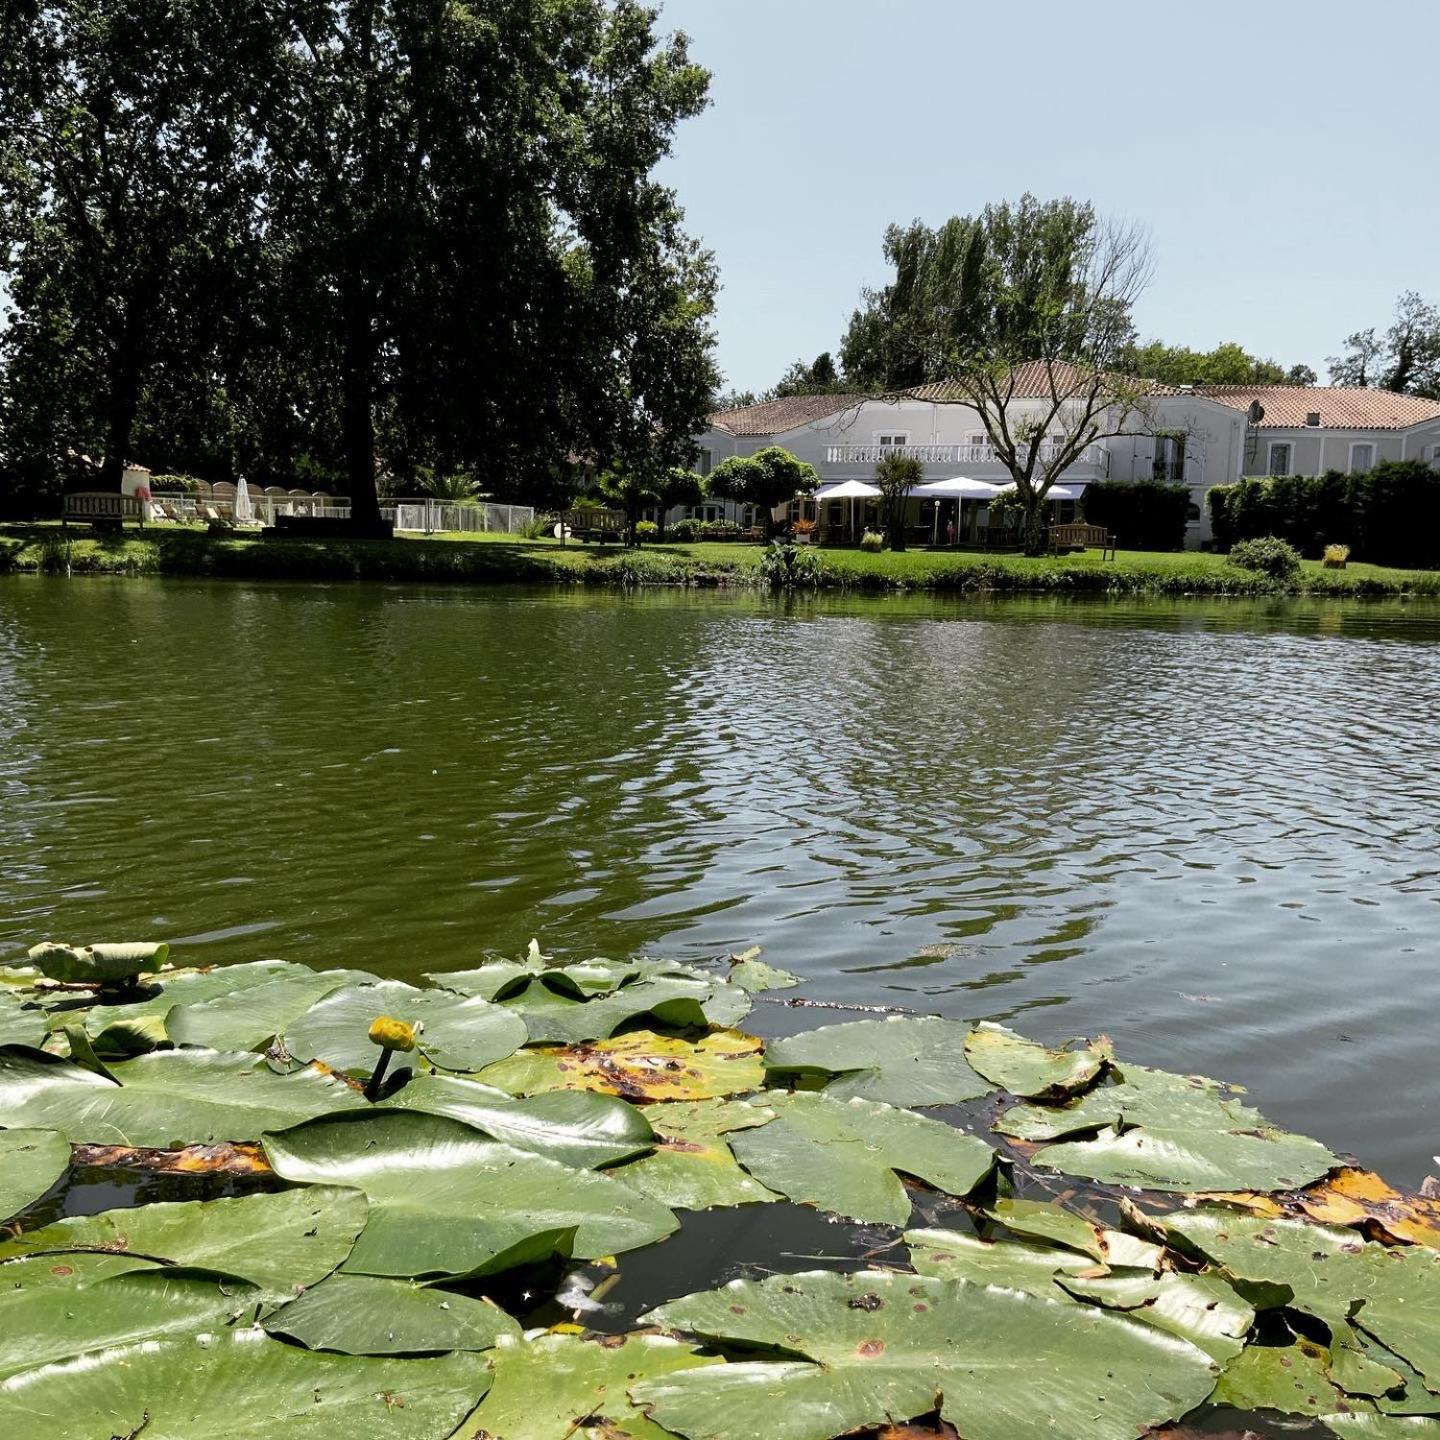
[(679, 1002), (867, 1348), (1169, 1132), (506, 979), (1041, 1220), (21, 1024), (364, 1315), (1362, 1199), (563, 1385), (692, 1167), (753, 974), (640, 1066), (1024, 1068), (461, 1033), (1290, 1378), (446, 1201), (1382, 1427), (166, 1099), (96, 964), (280, 1242), (237, 1384), (843, 1155), (576, 1127), (954, 1255), (31, 1161), (901, 1060), (249, 1017), (1202, 1309)]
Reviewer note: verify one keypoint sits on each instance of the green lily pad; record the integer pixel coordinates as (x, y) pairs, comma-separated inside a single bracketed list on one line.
[(692, 1167), (872, 1347), (1291, 1378), (901, 1060), (505, 979), (954, 1255), (96, 964), (562, 1385), (1041, 1220), (365, 1315), (280, 1242), (46, 1323), (754, 975), (679, 1002), (21, 1024), (238, 1384), (842, 1155), (1382, 1427), (446, 1201), (1022, 1067), (576, 1127), (461, 1033), (1331, 1274), (1202, 1309), (31, 1161), (640, 1066), (165, 1099), (1169, 1132), (250, 1016)]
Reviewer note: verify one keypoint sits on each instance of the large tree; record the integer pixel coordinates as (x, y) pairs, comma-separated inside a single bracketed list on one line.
[(129, 168), (1025, 310), (1227, 364), (1405, 359), (770, 477)]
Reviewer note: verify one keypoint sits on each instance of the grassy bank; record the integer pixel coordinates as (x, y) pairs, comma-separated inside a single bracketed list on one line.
[(508, 560)]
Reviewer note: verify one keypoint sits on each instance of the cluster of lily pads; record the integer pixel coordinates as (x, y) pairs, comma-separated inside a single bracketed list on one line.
[(419, 1144)]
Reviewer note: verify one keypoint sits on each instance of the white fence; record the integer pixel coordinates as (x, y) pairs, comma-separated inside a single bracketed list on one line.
[(431, 516)]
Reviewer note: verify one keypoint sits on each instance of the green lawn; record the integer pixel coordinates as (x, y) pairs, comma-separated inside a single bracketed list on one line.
[(481, 559)]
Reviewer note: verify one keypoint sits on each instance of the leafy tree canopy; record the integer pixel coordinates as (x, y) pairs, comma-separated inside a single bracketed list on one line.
[(1406, 358), (1227, 364)]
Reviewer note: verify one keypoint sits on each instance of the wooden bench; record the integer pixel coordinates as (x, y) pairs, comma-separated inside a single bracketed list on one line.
[(104, 509), (599, 525), (1081, 537)]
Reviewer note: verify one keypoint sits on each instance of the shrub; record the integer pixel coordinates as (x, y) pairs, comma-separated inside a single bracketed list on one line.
[(872, 542), (174, 485), (791, 567), (646, 530), (718, 530), (1336, 556), (684, 531), (1269, 555), (1145, 514), (539, 528)]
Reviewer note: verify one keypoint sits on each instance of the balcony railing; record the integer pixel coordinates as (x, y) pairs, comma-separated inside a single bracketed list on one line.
[(1093, 456)]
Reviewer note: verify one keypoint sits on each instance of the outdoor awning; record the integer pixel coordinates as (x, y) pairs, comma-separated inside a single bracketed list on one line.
[(848, 490), (961, 487), (1060, 492)]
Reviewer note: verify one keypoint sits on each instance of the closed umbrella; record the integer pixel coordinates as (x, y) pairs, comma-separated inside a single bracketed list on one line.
[(244, 510)]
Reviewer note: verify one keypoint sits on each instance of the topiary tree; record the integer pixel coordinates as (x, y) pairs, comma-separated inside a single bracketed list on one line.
[(770, 477), (677, 486), (897, 476)]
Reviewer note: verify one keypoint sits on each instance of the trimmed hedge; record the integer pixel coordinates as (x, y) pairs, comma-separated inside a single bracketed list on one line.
[(1143, 514), (1389, 516)]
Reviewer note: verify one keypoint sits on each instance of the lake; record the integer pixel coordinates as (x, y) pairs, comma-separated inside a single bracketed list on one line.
[(1211, 830)]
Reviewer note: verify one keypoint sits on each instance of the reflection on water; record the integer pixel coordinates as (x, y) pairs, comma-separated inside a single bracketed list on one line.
[(1207, 828)]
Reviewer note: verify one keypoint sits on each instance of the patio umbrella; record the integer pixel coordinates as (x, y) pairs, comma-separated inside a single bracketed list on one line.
[(244, 510), (958, 488), (851, 490)]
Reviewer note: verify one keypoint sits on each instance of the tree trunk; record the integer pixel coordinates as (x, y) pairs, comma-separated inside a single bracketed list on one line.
[(1033, 525), (122, 405), (357, 419)]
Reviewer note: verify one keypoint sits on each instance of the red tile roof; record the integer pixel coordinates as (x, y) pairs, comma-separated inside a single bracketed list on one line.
[(775, 417), (1034, 380), (1339, 407)]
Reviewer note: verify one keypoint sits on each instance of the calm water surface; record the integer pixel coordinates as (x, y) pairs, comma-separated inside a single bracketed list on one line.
[(1211, 830)]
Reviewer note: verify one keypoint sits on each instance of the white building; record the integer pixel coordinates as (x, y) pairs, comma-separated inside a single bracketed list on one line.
[(1200, 436)]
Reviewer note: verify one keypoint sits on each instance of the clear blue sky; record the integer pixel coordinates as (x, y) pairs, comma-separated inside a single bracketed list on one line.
[(1284, 156)]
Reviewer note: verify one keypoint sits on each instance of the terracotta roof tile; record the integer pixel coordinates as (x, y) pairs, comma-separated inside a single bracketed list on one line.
[(1339, 407), (775, 417), (1032, 381)]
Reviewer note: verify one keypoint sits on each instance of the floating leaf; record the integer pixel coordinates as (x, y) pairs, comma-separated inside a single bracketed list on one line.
[(1044, 1221), (31, 1161), (1362, 1199), (1024, 1068), (505, 979), (565, 1386), (753, 974), (1169, 1132), (865, 1348), (1202, 1309), (166, 1099), (679, 1002), (96, 964), (901, 1060), (446, 1201), (641, 1066), (692, 1167), (364, 1315), (278, 1242), (250, 1017), (1290, 1378), (236, 1385), (576, 1127), (1382, 1427), (842, 1155), (461, 1033), (954, 1255), (21, 1024), (227, 1158)]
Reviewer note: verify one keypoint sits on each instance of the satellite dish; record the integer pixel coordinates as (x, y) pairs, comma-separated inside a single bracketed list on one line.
[(1256, 412)]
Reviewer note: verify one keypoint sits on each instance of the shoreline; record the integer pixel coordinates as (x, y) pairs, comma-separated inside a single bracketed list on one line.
[(41, 548)]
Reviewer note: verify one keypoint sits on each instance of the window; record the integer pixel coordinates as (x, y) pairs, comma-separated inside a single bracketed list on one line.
[(893, 438), (1362, 457), (977, 437), (1280, 453), (705, 461), (1170, 457)]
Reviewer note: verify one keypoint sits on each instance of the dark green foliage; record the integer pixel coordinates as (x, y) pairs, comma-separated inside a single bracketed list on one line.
[(770, 477), (1143, 514), (646, 530), (1405, 359), (682, 532), (792, 567), (820, 377), (897, 476), (1268, 555), (1226, 364), (1388, 516)]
